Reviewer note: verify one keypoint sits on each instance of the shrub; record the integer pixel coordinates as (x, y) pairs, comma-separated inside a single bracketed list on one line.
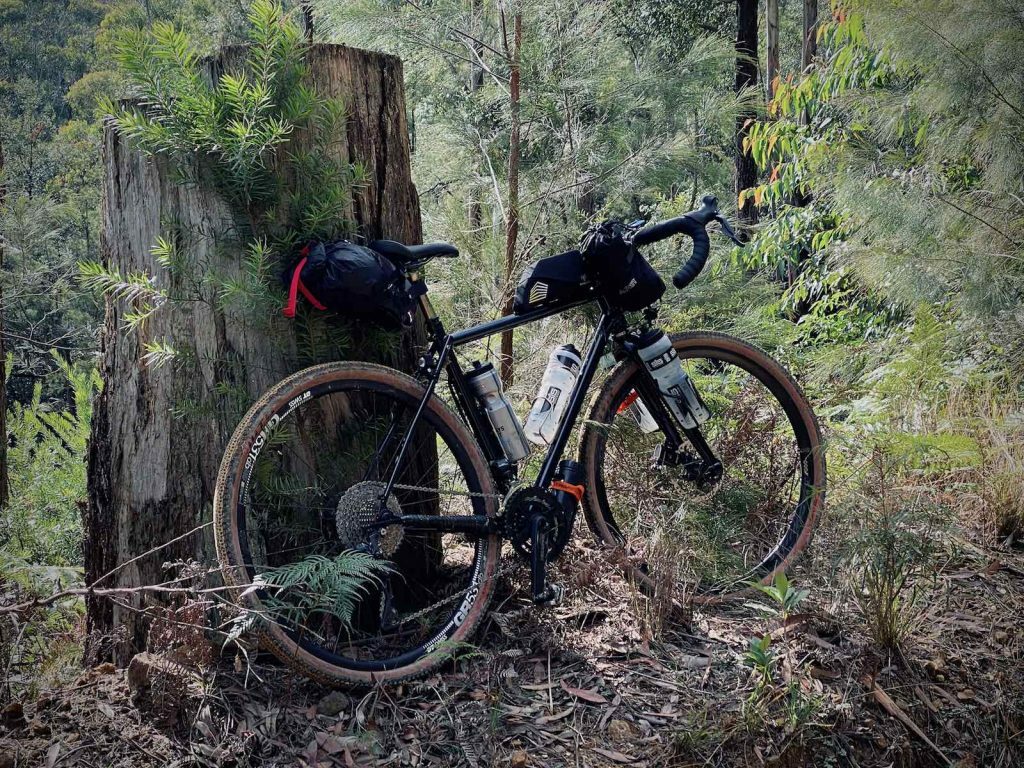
[(43, 524), (898, 529)]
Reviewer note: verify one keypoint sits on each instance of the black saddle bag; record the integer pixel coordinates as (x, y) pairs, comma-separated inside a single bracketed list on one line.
[(625, 277), (351, 280)]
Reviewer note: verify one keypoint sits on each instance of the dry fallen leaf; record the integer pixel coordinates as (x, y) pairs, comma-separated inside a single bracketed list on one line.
[(587, 695), (537, 686), (618, 757), (555, 717), (893, 709)]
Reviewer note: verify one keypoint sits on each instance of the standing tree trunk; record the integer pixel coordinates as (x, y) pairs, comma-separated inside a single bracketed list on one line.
[(512, 221), (746, 77), (810, 46), (771, 26), (5, 488), (159, 430), (476, 82), (803, 198), (308, 25)]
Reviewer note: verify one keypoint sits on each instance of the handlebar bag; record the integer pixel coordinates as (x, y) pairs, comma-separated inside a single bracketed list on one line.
[(625, 277), (353, 281), (552, 282)]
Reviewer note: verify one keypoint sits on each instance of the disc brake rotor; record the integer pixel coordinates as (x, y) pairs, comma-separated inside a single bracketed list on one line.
[(359, 508)]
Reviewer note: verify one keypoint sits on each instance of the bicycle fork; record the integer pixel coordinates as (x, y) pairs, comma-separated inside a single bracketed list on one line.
[(705, 468)]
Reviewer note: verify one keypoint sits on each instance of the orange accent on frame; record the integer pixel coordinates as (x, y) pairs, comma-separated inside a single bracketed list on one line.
[(574, 490)]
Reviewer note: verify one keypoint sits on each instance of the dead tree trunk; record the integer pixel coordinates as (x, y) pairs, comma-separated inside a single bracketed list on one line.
[(158, 431)]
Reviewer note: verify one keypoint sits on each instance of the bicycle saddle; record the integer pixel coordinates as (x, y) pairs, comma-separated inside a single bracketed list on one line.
[(405, 254)]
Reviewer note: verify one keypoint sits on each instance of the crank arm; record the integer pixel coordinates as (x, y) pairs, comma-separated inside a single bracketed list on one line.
[(542, 593)]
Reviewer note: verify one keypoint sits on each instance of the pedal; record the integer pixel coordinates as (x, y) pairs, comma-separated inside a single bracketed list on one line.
[(554, 596)]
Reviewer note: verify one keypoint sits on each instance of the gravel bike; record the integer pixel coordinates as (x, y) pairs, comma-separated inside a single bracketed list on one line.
[(356, 457)]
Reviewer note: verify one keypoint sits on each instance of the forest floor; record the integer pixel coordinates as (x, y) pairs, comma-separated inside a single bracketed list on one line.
[(580, 685)]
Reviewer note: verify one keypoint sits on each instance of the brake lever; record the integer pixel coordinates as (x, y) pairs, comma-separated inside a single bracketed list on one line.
[(727, 229)]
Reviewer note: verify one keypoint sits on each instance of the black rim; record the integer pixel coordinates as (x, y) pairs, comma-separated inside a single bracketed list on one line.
[(297, 406), (795, 516)]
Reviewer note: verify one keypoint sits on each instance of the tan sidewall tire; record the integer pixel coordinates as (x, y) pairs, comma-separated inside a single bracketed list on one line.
[(227, 535), (731, 350)]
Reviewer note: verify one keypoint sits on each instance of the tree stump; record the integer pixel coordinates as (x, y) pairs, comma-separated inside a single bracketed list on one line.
[(158, 431)]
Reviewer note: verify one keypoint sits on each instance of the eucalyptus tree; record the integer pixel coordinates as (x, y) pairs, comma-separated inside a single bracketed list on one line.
[(606, 121)]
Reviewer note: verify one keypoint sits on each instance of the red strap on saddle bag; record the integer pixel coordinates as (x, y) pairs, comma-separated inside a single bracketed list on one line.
[(297, 286)]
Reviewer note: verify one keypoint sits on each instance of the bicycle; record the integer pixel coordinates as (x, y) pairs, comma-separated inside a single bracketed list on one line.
[(358, 457)]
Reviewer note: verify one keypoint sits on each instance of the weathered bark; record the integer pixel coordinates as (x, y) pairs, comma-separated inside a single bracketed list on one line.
[(152, 469), (771, 26), (810, 46), (5, 488), (803, 198), (512, 216), (476, 82), (746, 77)]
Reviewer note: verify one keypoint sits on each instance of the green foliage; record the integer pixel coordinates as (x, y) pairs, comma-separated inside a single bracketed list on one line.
[(233, 133), (783, 593), (898, 529), (761, 657), (903, 133), (319, 584), (136, 289), (42, 524)]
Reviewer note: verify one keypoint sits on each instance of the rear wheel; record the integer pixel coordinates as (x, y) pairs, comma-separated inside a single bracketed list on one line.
[(338, 597), (707, 540)]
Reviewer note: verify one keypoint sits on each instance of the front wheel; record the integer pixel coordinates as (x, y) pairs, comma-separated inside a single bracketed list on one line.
[(706, 540)]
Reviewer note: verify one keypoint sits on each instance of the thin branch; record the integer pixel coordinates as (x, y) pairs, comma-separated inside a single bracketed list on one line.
[(979, 219), (971, 63), (91, 589)]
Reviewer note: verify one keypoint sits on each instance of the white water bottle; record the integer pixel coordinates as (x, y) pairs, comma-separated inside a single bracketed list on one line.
[(642, 416), (553, 395), (660, 359), (483, 381)]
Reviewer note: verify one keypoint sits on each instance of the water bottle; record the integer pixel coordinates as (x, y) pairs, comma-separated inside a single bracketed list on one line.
[(553, 395), (485, 385), (660, 359), (642, 416)]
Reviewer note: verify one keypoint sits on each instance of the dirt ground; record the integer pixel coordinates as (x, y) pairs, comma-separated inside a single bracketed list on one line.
[(583, 684)]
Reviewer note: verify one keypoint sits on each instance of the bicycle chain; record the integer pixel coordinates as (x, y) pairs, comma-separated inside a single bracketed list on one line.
[(472, 494), (454, 597)]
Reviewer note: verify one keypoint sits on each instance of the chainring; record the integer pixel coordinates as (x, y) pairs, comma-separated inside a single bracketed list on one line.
[(520, 508), (358, 510)]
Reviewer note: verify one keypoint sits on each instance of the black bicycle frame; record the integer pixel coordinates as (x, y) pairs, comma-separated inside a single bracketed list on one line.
[(442, 360)]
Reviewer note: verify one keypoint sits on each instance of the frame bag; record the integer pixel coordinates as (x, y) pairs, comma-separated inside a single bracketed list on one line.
[(351, 280), (552, 282), (626, 279)]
